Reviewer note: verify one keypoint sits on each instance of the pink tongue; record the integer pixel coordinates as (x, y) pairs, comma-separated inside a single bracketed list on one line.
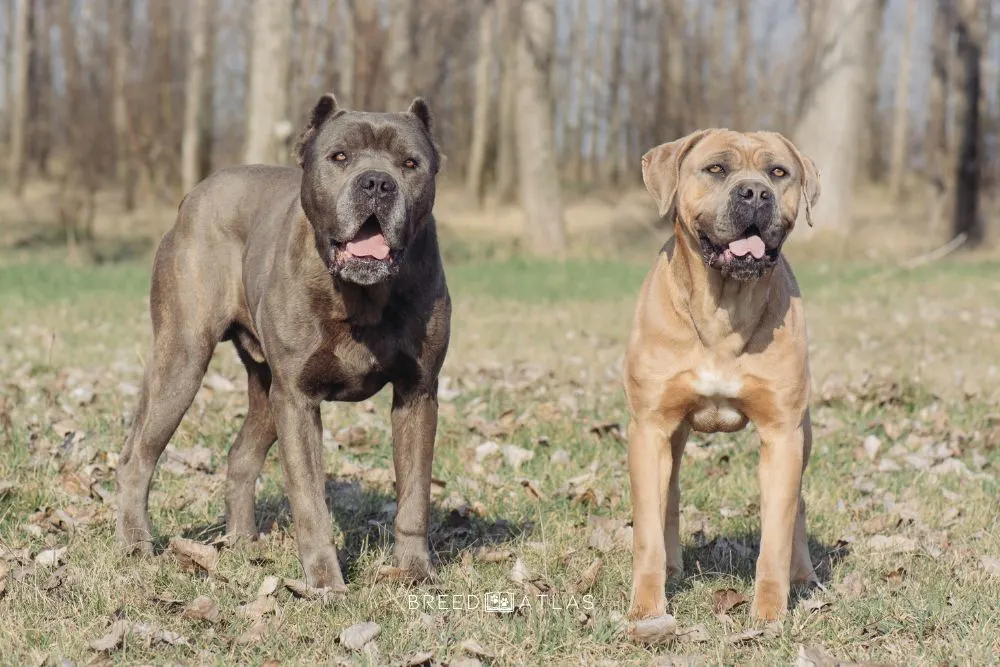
[(753, 245), (373, 245)]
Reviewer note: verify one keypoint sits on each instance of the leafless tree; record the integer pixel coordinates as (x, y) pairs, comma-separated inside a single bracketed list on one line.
[(540, 191), (22, 46), (267, 108), (481, 116), (195, 145), (969, 26), (901, 122)]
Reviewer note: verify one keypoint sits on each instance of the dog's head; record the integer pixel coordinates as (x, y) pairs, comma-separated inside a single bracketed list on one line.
[(367, 186), (736, 193)]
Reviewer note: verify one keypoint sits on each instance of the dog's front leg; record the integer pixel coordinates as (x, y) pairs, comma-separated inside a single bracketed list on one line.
[(300, 433), (653, 473), (782, 457), (414, 426)]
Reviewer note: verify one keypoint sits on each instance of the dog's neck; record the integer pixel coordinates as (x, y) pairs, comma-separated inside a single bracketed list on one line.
[(725, 312)]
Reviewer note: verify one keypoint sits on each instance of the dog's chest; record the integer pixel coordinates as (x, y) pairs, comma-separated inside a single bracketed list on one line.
[(350, 370), (715, 390)]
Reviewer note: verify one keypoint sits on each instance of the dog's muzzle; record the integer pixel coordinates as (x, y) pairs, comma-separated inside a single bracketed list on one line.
[(752, 242)]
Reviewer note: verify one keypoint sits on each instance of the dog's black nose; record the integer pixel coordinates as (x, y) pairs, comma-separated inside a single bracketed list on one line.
[(754, 192), (376, 183)]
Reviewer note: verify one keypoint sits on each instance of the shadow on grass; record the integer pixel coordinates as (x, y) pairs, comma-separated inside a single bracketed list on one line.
[(736, 556), (364, 515)]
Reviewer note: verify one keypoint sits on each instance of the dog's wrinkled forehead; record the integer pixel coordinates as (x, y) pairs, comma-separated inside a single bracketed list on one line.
[(739, 151), (370, 134)]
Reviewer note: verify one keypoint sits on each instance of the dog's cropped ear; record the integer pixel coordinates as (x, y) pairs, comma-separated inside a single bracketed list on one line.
[(661, 169), (422, 111), (325, 108), (808, 178)]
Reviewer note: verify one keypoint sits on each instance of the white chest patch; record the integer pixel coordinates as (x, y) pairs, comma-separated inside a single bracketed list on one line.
[(711, 384)]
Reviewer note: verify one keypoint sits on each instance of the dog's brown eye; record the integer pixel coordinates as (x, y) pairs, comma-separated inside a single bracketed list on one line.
[(716, 169), (410, 164), (778, 172), (340, 157)]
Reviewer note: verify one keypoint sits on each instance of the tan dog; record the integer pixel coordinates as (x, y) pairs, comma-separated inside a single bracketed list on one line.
[(719, 339)]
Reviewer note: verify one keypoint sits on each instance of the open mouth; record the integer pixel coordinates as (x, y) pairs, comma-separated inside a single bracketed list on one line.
[(368, 244), (742, 258)]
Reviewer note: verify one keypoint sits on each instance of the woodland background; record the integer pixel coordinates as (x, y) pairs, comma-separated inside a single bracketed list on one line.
[(119, 104)]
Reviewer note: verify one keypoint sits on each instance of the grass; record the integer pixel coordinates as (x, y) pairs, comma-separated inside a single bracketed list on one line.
[(908, 358)]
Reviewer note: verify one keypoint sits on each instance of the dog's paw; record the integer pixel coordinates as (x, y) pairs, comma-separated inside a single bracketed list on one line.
[(415, 567), (770, 603), (323, 571), (648, 598), (133, 537)]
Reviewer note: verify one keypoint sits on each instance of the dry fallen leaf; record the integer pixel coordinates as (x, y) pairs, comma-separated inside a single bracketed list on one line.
[(725, 599), (193, 556), (852, 586), (50, 557), (473, 647), (745, 636), (202, 608), (892, 544), (113, 638), (356, 636), (694, 634), (259, 607), (268, 586), (254, 634), (421, 658), (991, 564), (656, 630), (303, 590), (515, 456), (588, 577), (4, 570), (814, 605), (871, 446), (487, 555), (531, 486)]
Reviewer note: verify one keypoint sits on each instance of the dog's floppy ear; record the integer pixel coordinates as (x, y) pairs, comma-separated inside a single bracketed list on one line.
[(809, 177), (325, 108), (661, 168), (422, 111)]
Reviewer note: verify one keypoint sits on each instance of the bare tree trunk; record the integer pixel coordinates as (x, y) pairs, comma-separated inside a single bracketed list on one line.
[(23, 39), (120, 24), (579, 50), (9, 25), (268, 95), (400, 54), (936, 147), (829, 130), (872, 159), (969, 30), (481, 122), (901, 124), (368, 48), (613, 83), (345, 55), (719, 97), (741, 66), (539, 173), (197, 124), (506, 132)]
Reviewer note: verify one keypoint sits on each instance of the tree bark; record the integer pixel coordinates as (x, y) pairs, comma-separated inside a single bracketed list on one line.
[(969, 31), (901, 124), (539, 174), (936, 146), (872, 127), (197, 103), (345, 55), (268, 94), (833, 120), (481, 120), (400, 54), (23, 39), (506, 133), (740, 69), (120, 24), (579, 52)]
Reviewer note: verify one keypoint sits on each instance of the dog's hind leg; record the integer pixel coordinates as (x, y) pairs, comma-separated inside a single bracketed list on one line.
[(246, 457), (187, 324), (172, 378)]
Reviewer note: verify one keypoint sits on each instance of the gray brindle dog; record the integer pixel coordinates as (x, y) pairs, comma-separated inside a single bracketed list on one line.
[(328, 280)]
